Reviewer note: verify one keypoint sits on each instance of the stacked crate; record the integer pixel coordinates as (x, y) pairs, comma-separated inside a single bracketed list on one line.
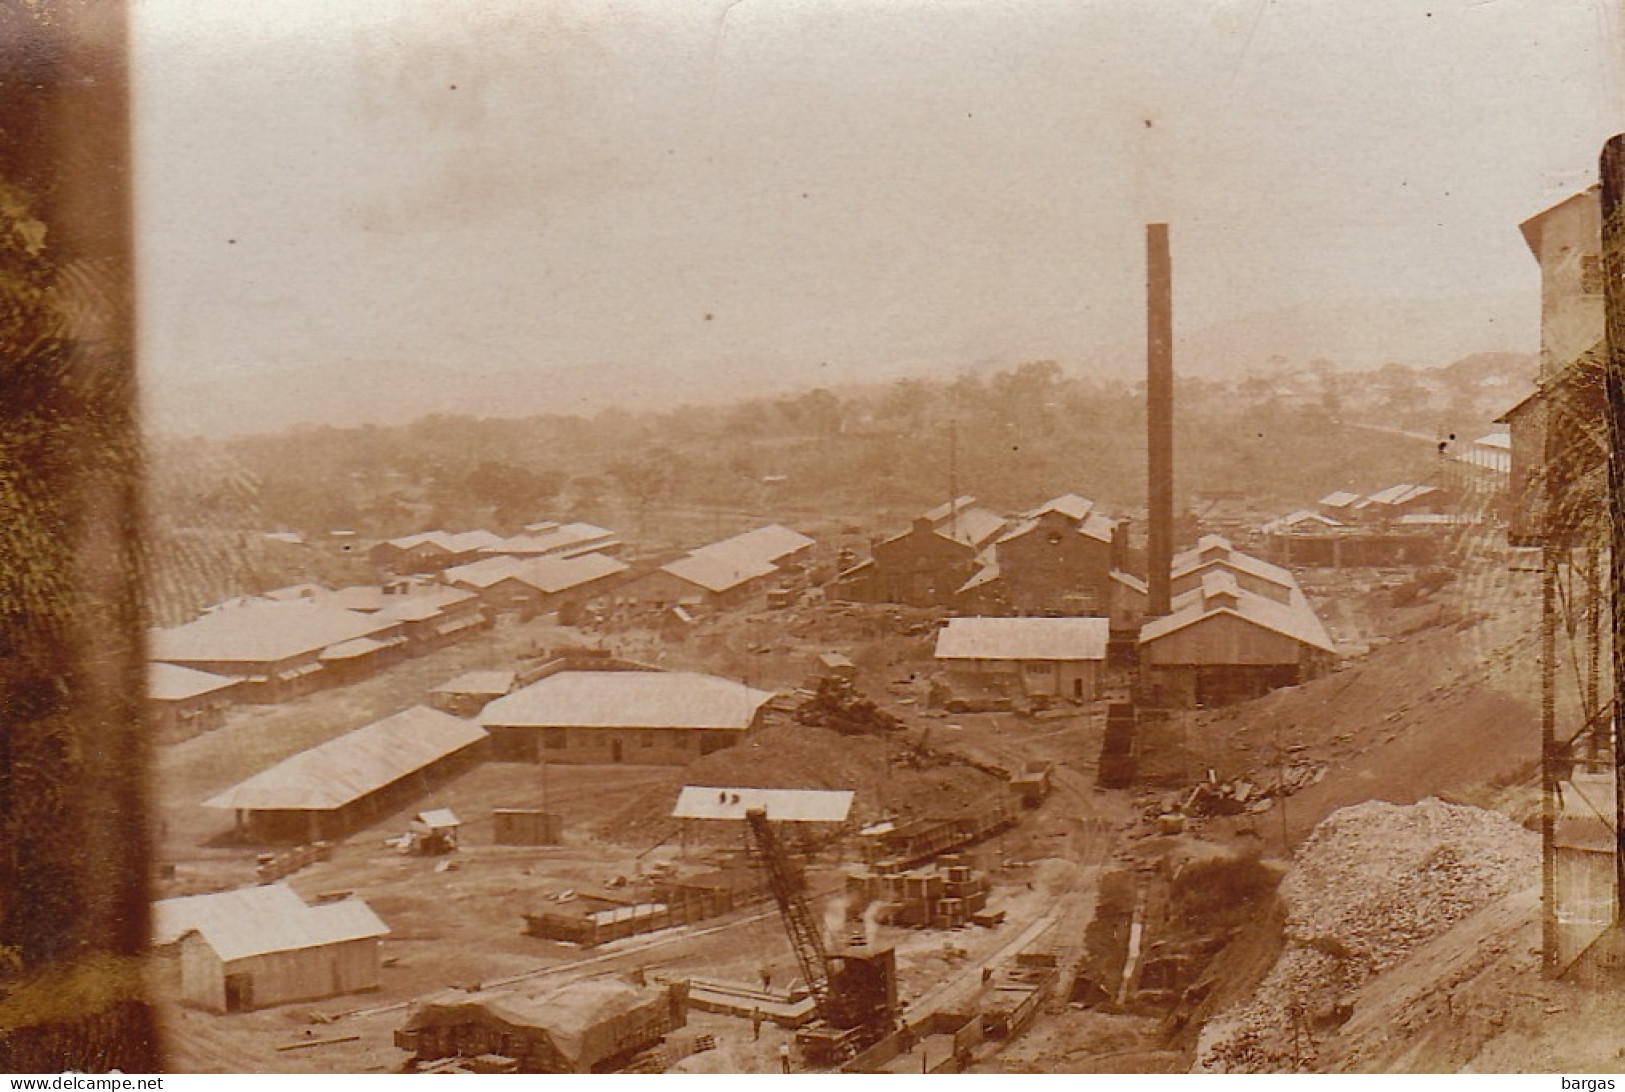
[(942, 896)]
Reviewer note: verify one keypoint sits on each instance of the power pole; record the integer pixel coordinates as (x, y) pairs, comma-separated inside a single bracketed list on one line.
[(1612, 171), (1549, 561)]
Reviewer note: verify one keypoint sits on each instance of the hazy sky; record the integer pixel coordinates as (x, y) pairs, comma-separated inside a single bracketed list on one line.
[(474, 188)]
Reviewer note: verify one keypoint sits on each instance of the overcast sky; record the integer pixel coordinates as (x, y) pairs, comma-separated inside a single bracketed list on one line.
[(473, 189)]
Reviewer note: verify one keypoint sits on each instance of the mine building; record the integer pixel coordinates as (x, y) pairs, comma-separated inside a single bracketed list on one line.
[(540, 585), (279, 650), (928, 564), (1056, 559), (642, 717), (726, 573), (236, 951), (554, 540), (352, 780), (429, 551), (1223, 644), (184, 700), (1055, 657)]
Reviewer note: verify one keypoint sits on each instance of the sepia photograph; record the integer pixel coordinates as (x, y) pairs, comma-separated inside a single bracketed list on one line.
[(709, 537)]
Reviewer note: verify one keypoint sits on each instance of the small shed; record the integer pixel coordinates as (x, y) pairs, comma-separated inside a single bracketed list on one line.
[(234, 951)]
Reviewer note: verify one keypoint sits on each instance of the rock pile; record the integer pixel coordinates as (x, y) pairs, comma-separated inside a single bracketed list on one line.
[(1371, 883)]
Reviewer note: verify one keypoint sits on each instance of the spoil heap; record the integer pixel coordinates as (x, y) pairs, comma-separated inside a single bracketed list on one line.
[(1372, 883)]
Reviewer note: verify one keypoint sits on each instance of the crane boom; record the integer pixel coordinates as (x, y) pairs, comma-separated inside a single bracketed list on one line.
[(785, 880)]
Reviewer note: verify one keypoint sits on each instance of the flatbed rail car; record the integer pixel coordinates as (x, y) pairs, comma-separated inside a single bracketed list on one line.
[(907, 844)]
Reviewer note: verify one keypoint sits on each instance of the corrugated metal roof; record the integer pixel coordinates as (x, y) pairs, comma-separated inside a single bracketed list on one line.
[(718, 572), (628, 699), (435, 539), (781, 805), (171, 682), (1129, 581), (943, 511), (467, 542), (296, 591), (556, 574), (254, 921), (973, 526), (1023, 639), (355, 764), (1403, 493), (478, 682), (486, 572), (1067, 504), (556, 540), (459, 542), (1217, 552), (263, 632), (1095, 526), (1301, 516), (350, 650), (422, 603), (987, 574), (410, 609), (1341, 498), (771, 543), (1099, 527), (1295, 619), (439, 818)]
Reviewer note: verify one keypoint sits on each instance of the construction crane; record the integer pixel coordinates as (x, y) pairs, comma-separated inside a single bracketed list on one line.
[(785, 881), (855, 992)]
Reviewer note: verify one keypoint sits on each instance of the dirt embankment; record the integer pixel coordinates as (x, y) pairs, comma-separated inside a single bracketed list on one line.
[(1447, 707), (886, 774)]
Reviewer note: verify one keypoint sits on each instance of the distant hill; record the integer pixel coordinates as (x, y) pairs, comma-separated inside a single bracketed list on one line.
[(1357, 335)]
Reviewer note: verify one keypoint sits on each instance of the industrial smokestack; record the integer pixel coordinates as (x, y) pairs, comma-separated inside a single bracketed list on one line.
[(1159, 388)]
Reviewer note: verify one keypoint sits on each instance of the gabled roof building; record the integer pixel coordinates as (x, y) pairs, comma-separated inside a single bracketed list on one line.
[(641, 717), (1056, 657), (280, 649), (236, 951), (354, 779), (1223, 643)]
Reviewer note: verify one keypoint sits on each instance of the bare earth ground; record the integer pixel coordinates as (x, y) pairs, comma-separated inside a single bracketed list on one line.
[(1441, 704)]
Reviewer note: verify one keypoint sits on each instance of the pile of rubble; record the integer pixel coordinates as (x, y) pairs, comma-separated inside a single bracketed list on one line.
[(1210, 796), (837, 705), (1372, 883)]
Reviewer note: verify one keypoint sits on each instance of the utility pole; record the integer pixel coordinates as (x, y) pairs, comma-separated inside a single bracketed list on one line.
[(1549, 557), (1612, 172)]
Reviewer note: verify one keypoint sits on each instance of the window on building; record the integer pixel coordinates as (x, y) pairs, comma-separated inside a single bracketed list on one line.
[(1591, 276)]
